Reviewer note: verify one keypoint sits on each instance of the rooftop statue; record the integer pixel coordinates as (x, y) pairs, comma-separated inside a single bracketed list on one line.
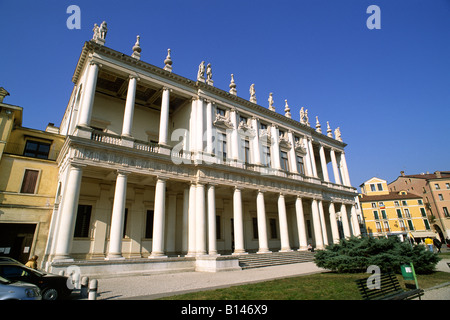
[(232, 86), (201, 72), (271, 107), (252, 93)]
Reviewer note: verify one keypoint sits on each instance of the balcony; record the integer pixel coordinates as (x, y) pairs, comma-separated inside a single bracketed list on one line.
[(179, 156)]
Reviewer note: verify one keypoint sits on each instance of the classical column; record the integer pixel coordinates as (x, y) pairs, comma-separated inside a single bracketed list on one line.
[(355, 222), (333, 222), (68, 213), (255, 142), (261, 219), (158, 219), (316, 223), (171, 222), (185, 227), (117, 219), (200, 219), (284, 234), (192, 126), (212, 234), (308, 166), (313, 158), (301, 224), (191, 221), (234, 135), (323, 163), (88, 96), (238, 222), (345, 170), (199, 124), (344, 219), (292, 155), (129, 107), (164, 117), (209, 128), (337, 178), (322, 222), (275, 147)]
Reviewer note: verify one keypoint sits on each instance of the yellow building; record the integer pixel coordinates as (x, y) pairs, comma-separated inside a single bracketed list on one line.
[(28, 184), (398, 213)]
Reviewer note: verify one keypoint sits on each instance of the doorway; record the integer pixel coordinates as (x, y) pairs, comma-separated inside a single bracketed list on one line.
[(16, 240)]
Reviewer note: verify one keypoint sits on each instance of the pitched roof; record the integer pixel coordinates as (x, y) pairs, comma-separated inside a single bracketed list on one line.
[(391, 196)]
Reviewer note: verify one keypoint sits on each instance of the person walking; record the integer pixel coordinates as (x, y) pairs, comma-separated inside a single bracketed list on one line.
[(429, 244), (437, 244)]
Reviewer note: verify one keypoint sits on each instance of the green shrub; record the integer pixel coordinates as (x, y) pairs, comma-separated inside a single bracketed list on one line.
[(354, 255)]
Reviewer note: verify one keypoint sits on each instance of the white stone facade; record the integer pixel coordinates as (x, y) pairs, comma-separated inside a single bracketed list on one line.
[(157, 165)]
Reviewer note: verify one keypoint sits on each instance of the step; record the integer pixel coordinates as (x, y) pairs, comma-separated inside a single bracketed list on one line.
[(256, 260)]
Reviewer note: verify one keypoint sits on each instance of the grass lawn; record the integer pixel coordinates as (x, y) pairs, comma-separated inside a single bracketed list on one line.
[(322, 286)]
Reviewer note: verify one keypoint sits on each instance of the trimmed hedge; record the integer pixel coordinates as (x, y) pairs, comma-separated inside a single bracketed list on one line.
[(354, 255)]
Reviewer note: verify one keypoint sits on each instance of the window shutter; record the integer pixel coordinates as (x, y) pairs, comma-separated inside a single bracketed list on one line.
[(29, 181)]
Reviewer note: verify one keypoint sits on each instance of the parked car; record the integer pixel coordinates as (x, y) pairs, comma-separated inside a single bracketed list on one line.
[(18, 290), (52, 286)]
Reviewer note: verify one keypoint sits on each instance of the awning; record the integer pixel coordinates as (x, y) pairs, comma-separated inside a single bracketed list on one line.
[(423, 234)]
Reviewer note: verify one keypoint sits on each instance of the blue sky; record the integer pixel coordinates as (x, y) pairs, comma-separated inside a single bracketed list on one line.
[(387, 89)]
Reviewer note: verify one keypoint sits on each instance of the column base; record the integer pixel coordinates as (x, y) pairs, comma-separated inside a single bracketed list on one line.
[(238, 252), (260, 251), (157, 255), (115, 256), (285, 250), (302, 249)]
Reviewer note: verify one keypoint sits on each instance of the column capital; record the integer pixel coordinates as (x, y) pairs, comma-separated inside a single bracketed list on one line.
[(134, 76), (122, 172), (94, 62)]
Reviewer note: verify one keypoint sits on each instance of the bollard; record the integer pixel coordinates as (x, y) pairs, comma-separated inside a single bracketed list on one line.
[(84, 288), (93, 289)]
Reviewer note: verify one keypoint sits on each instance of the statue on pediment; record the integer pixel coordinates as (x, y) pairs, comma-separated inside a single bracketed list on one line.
[(201, 72)]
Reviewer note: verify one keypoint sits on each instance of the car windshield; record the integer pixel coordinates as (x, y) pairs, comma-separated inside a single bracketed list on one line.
[(4, 281)]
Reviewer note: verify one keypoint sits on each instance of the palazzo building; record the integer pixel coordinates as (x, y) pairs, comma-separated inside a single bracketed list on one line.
[(156, 165)]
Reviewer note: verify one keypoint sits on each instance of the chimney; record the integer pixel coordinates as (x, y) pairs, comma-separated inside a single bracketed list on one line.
[(402, 173), (438, 174)]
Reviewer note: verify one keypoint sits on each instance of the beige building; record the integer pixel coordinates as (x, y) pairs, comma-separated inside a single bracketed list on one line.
[(28, 184), (434, 188), (161, 171)]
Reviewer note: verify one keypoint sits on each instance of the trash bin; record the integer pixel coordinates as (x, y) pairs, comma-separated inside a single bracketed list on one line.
[(407, 272)]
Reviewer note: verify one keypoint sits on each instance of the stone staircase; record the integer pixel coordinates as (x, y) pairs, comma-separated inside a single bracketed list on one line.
[(258, 260)]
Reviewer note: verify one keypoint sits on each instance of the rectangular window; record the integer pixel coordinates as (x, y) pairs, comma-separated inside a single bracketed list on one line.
[(374, 205), (441, 197), (29, 182), (383, 214), (436, 185), (273, 228), (423, 212), (36, 149), (284, 161), (220, 112), (247, 151), (255, 228), (218, 228), (407, 214), (446, 211), (375, 214), (242, 119), (378, 227), (223, 146), (300, 165), (404, 203), (396, 204), (386, 226), (427, 224), (420, 202), (372, 187), (399, 213), (380, 187), (83, 221), (402, 225), (411, 226), (447, 185), (266, 155), (149, 225)]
